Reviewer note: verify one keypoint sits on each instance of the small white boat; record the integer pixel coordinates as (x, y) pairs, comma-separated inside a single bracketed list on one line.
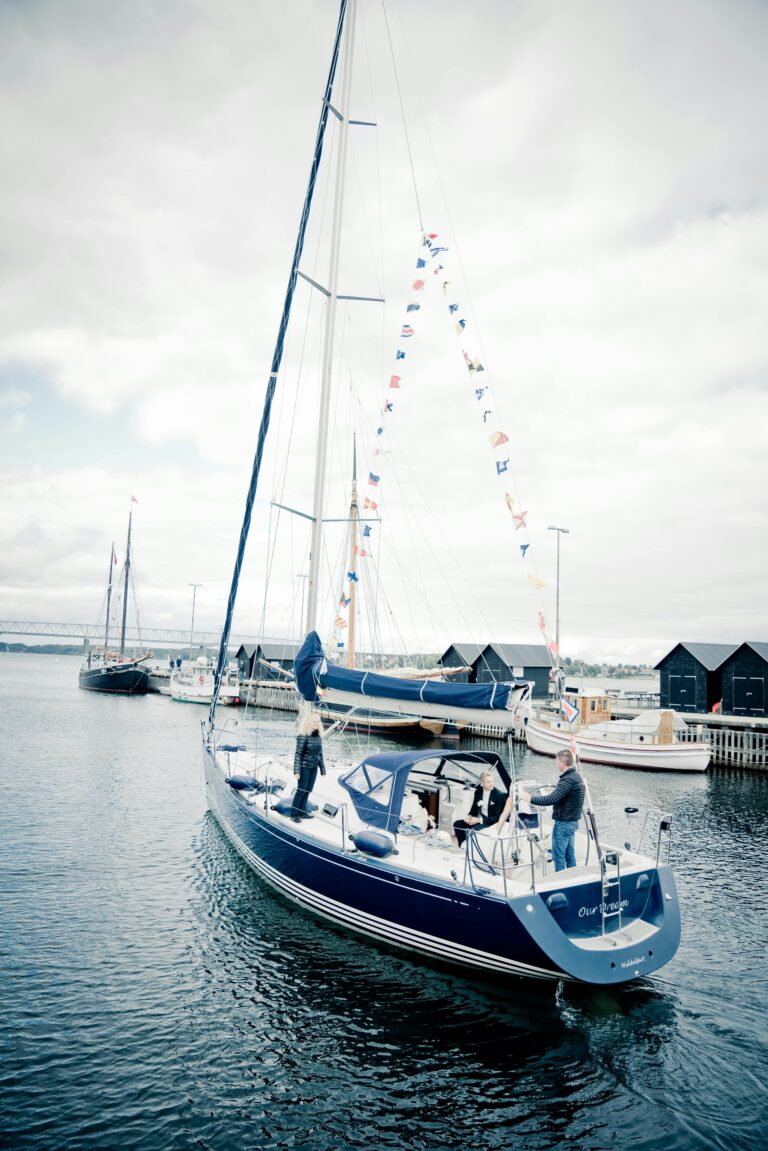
[(193, 682), (653, 740)]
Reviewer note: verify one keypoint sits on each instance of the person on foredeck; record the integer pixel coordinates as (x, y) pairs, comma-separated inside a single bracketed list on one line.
[(307, 761), (485, 810), (567, 802)]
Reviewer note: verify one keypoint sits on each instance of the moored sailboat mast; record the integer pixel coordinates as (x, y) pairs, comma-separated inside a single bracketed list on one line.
[(109, 595), (127, 578)]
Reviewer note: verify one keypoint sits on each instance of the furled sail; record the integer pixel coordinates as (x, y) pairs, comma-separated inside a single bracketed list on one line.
[(313, 673)]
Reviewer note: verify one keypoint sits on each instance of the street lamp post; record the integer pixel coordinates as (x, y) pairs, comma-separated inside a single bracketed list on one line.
[(194, 587), (560, 531)]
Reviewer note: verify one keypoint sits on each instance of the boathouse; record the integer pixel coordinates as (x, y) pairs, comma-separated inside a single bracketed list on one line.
[(744, 677), (246, 654), (690, 676), (251, 657), (504, 661), (462, 655)]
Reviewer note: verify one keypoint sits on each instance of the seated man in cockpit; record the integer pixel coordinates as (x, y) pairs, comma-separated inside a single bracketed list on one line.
[(486, 809)]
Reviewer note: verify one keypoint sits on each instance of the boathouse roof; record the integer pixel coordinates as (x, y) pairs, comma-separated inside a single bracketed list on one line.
[(468, 652), (279, 650), (709, 655), (522, 654), (759, 647)]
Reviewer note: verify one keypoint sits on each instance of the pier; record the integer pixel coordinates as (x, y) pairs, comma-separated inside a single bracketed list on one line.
[(736, 742)]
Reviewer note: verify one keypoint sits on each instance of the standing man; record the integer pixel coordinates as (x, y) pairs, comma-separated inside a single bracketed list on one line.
[(485, 810), (567, 801)]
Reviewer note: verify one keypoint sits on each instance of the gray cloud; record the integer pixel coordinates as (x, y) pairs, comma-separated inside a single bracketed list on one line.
[(607, 182)]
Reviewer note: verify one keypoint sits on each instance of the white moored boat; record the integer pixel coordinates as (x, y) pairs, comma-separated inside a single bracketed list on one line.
[(653, 740), (193, 682)]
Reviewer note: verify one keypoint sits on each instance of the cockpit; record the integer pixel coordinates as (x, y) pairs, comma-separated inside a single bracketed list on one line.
[(394, 790)]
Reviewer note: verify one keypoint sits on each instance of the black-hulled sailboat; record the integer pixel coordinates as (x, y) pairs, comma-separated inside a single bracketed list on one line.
[(376, 856), (112, 671)]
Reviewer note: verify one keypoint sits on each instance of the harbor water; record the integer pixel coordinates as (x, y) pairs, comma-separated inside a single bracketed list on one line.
[(155, 994)]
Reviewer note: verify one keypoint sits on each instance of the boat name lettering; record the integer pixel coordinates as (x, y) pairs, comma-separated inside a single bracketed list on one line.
[(586, 911), (633, 962)]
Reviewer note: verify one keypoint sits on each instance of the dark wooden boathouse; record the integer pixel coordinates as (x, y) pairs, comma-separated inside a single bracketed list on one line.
[(250, 656), (691, 676), (504, 661), (246, 654), (462, 655), (744, 680)]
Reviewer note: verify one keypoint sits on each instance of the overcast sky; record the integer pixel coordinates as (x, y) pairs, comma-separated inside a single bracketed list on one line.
[(600, 176)]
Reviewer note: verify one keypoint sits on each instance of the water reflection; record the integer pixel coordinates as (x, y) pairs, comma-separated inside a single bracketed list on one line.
[(157, 994), (419, 1036)]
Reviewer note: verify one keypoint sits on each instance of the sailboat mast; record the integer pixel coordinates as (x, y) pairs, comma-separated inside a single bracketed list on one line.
[(277, 359), (127, 577), (321, 456), (109, 596), (353, 521)]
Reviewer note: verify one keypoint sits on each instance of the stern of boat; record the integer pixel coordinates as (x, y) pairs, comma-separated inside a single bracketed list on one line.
[(612, 930)]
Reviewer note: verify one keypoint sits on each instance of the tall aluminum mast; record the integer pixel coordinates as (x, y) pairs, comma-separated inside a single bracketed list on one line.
[(321, 457)]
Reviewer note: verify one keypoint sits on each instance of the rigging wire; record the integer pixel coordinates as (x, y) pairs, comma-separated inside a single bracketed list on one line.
[(553, 655), (471, 308), (402, 112), (279, 488), (275, 369)]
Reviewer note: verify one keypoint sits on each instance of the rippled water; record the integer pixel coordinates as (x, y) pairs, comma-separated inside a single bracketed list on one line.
[(156, 995)]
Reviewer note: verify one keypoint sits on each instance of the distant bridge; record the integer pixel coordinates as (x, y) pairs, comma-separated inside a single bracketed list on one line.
[(133, 635)]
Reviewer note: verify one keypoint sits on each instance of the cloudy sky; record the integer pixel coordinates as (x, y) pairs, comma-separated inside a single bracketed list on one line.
[(600, 176)]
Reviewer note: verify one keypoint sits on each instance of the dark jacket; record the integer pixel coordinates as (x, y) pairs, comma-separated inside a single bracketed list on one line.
[(309, 753), (567, 798), (496, 801)]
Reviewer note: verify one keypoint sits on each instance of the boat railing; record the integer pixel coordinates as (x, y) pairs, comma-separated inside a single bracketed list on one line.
[(664, 837), (344, 825), (495, 855), (692, 733), (269, 792)]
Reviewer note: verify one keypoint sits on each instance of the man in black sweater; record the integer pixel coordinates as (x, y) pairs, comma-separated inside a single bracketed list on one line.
[(485, 810), (567, 801)]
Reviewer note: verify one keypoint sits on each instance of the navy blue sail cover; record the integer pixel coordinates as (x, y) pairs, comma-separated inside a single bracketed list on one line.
[(313, 671)]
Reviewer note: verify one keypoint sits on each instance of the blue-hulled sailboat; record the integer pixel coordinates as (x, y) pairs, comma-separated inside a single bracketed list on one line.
[(377, 856)]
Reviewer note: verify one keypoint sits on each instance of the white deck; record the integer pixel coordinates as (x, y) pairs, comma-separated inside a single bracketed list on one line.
[(421, 852)]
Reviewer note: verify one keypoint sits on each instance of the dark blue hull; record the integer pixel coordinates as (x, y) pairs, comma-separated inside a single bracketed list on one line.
[(118, 679), (455, 924)]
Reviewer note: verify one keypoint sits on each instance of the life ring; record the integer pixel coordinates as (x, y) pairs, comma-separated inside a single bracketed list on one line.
[(201, 679)]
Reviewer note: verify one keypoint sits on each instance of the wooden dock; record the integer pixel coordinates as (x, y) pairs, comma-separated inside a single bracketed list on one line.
[(736, 742), (272, 695)]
